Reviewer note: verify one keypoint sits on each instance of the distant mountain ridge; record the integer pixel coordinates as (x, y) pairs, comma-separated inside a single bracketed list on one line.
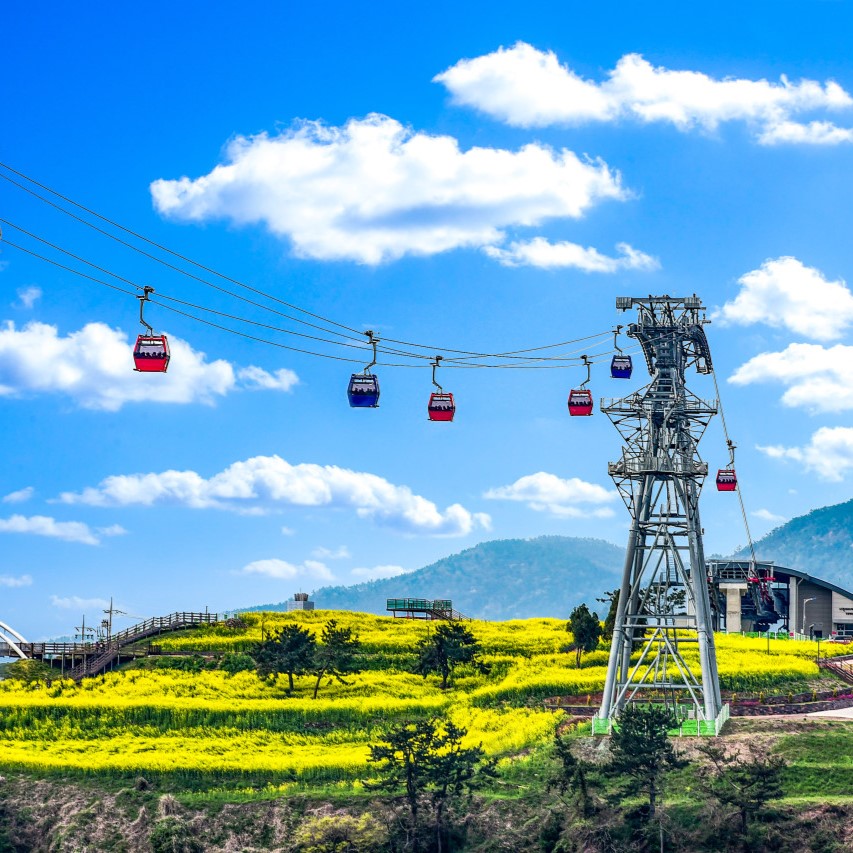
[(819, 543), (501, 579), (550, 575)]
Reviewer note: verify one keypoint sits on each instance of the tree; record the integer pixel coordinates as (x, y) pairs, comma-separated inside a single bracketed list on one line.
[(448, 646), (427, 760), (641, 750), (745, 781), (336, 655), (585, 630), (291, 650), (572, 777)]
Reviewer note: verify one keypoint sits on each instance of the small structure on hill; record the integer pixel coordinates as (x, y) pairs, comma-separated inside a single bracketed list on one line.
[(422, 608), (300, 602)]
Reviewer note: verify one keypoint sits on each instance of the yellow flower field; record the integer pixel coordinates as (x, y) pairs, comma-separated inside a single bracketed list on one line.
[(211, 725)]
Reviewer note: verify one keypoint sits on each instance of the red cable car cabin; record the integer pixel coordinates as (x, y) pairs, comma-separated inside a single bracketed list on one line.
[(726, 480), (441, 407), (151, 354), (580, 402)]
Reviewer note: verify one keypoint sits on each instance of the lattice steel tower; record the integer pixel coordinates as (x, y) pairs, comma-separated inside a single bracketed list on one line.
[(659, 477)]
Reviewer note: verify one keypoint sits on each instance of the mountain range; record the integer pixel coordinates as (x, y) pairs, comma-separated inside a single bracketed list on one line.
[(550, 575), (819, 543), (502, 579)]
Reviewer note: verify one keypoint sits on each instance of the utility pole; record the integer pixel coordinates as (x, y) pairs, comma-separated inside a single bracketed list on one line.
[(83, 632), (107, 624), (659, 478)]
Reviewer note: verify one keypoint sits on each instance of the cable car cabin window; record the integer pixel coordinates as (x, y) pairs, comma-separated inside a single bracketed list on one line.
[(151, 354), (441, 407), (621, 367), (580, 403), (726, 480), (363, 391)]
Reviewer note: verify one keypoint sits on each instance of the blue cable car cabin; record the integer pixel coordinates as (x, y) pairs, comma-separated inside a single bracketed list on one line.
[(363, 391), (621, 367)]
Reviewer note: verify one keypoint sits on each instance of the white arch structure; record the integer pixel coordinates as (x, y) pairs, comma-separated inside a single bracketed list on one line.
[(9, 635)]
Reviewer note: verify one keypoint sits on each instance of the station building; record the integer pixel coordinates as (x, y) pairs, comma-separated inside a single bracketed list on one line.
[(803, 604)]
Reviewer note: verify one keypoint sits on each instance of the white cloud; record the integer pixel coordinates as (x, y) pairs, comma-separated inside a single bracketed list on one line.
[(270, 481), (341, 553), (526, 87), (21, 496), (373, 190), (812, 133), (572, 498), (28, 296), (42, 525), (94, 366), (13, 583), (818, 378), (766, 515), (258, 379), (829, 453), (112, 530), (785, 293), (378, 572), (282, 570), (540, 252), (287, 531), (75, 602)]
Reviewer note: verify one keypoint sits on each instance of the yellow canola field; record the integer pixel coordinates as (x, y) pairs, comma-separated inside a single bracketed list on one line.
[(216, 752), (209, 724)]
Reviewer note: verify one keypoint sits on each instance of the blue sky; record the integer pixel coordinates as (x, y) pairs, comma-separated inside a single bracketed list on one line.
[(486, 179)]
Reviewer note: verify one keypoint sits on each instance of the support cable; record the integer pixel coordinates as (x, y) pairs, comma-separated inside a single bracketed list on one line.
[(385, 350), (523, 366), (730, 444), (225, 277)]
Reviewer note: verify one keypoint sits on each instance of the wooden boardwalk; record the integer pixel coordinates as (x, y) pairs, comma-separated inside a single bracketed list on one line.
[(79, 660)]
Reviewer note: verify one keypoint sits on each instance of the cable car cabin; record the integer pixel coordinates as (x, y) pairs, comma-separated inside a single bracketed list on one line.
[(726, 480), (441, 407), (363, 391), (621, 367), (580, 402), (151, 354)]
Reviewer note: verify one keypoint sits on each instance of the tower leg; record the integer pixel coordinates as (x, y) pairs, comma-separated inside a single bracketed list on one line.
[(622, 640)]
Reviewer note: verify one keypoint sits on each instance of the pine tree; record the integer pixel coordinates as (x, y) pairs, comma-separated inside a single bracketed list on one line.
[(289, 650), (448, 646), (336, 655)]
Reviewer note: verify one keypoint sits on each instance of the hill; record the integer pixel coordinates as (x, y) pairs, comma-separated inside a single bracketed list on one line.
[(503, 579), (820, 543)]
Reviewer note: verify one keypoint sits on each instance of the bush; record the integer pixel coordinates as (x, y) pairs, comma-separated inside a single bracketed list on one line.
[(172, 835), (235, 662), (340, 833)]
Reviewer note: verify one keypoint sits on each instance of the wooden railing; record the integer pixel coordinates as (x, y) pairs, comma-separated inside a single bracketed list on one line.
[(98, 655)]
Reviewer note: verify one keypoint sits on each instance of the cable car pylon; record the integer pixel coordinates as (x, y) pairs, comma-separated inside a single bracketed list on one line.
[(659, 477), (151, 353)]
